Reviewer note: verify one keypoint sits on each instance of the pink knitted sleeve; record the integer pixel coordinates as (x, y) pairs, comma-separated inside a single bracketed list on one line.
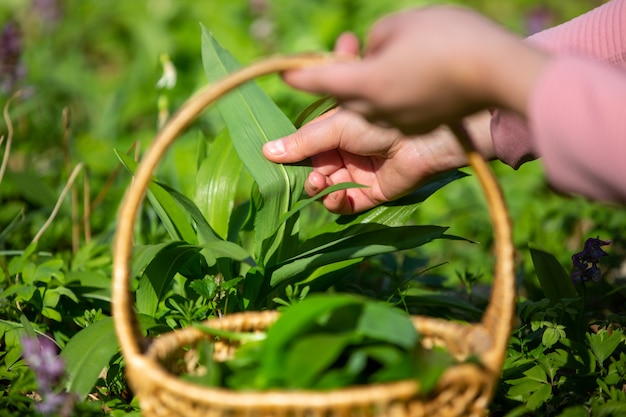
[(577, 114)]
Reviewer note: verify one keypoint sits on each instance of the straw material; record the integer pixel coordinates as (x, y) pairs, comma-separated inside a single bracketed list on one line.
[(153, 366)]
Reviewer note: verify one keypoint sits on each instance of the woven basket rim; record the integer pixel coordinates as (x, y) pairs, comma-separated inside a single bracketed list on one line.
[(355, 395), (149, 369)]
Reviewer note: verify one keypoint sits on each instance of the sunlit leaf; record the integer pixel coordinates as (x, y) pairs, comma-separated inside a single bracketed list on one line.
[(216, 183), (377, 240), (254, 119), (174, 218), (603, 343), (205, 231), (87, 354)]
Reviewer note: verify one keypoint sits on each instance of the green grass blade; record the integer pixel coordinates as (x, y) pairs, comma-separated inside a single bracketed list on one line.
[(396, 213), (308, 201)]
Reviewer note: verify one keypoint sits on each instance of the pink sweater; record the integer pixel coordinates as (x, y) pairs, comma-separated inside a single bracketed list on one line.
[(577, 112)]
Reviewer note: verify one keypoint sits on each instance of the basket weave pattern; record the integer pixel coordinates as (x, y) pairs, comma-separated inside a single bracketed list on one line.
[(153, 366)]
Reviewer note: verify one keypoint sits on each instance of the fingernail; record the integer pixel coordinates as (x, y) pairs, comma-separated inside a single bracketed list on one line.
[(312, 187), (275, 147)]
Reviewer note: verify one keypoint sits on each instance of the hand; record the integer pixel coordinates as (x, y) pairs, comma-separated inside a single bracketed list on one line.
[(344, 147), (427, 67)]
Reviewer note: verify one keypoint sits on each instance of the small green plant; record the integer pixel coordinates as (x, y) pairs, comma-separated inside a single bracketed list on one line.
[(556, 366)]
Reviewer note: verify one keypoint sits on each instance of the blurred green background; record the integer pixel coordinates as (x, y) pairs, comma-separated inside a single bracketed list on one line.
[(101, 59)]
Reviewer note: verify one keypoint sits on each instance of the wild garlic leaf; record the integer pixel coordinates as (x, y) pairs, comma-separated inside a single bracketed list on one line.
[(380, 322), (298, 320), (310, 355), (253, 119)]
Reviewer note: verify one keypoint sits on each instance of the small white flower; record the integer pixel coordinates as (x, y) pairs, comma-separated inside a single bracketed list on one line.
[(168, 79)]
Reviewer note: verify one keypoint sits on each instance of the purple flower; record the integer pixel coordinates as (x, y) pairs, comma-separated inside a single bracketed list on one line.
[(11, 69), (41, 356), (585, 262)]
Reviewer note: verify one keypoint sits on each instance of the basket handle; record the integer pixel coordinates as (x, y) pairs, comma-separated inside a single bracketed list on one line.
[(498, 316), (491, 338)]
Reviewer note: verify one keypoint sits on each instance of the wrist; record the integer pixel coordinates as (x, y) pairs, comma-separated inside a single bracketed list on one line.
[(513, 74)]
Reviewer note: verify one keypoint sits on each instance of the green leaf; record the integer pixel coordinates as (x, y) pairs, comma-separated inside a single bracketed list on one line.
[(18, 263), (553, 362), (159, 274), (174, 218), (611, 408), (525, 390), (299, 319), (550, 337), (226, 249), (306, 202), (430, 365), (253, 119), (204, 229), (539, 396), (377, 240), (306, 359), (94, 285), (87, 354), (205, 287), (435, 298), (314, 110), (382, 322), (51, 299), (537, 373), (603, 343), (574, 411), (394, 213), (48, 270), (144, 254), (555, 282), (216, 183)]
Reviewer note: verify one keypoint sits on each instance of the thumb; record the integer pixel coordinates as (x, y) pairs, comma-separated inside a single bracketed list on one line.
[(319, 136)]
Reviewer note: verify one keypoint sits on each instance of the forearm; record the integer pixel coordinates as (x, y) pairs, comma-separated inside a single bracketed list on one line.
[(577, 119)]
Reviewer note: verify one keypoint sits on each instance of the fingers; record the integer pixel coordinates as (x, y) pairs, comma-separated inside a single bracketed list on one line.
[(312, 139), (347, 44), (341, 79), (336, 202)]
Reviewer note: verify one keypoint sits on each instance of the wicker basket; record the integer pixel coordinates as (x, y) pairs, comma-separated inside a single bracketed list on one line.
[(153, 366)]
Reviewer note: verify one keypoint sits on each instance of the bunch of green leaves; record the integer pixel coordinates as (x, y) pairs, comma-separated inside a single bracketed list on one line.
[(326, 342), (245, 253), (557, 364), (67, 302)]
